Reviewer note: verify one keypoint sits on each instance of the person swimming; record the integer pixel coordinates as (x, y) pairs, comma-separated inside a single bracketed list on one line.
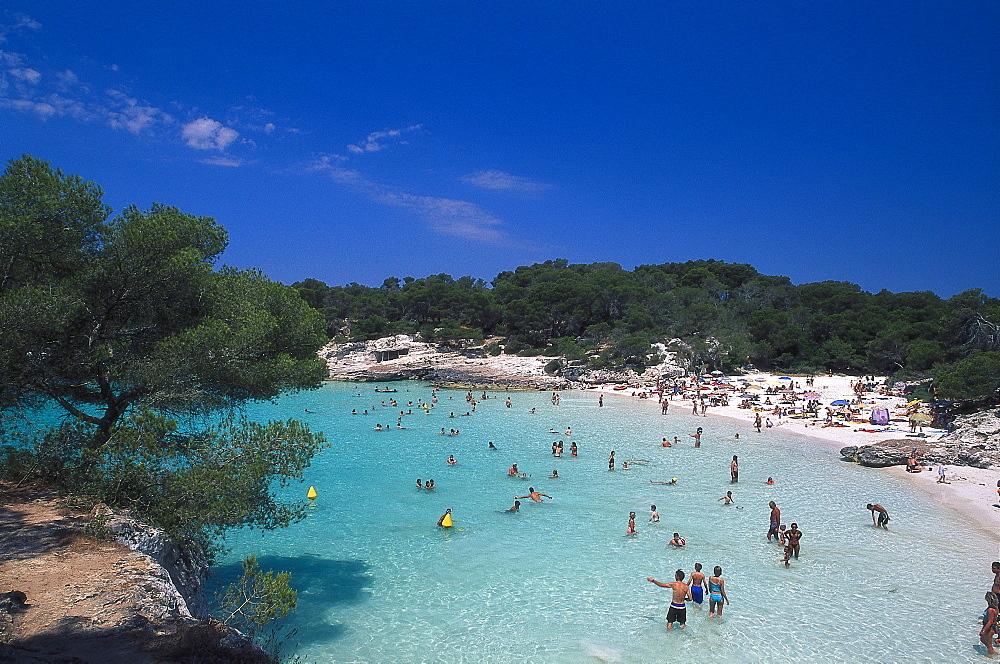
[(451, 460)]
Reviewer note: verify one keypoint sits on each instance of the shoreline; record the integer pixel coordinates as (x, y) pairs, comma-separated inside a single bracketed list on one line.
[(970, 491)]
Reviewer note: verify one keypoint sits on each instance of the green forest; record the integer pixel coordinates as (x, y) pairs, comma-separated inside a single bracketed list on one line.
[(729, 313)]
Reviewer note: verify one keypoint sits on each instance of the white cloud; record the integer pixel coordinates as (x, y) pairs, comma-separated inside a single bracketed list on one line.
[(25, 21), (208, 134), (375, 140), (26, 74), (127, 113), (41, 109), (221, 161), (269, 127), (450, 217), (500, 181)]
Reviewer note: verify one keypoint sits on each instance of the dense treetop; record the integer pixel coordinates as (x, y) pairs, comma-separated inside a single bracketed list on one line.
[(609, 316)]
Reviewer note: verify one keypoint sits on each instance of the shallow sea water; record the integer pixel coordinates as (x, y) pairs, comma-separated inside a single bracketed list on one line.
[(561, 582)]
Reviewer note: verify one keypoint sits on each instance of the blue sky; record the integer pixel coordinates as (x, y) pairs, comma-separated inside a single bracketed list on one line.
[(352, 141)]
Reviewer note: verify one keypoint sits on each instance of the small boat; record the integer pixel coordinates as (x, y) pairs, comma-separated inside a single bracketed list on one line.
[(378, 390)]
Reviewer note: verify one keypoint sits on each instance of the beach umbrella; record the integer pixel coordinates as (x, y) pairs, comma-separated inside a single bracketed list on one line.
[(913, 403), (840, 402), (754, 387), (784, 378), (716, 373), (920, 417)]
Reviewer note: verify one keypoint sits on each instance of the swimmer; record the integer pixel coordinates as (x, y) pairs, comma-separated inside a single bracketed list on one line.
[(611, 461), (654, 516), (429, 485), (492, 446), (665, 443), (681, 594), (569, 431), (672, 482), (716, 593), (770, 480), (420, 484), (631, 524), (512, 471), (354, 411), (728, 498), (516, 507), (573, 448), (554, 475), (443, 432), (534, 495), (377, 427), (440, 521), (678, 541), (451, 460), (697, 585)]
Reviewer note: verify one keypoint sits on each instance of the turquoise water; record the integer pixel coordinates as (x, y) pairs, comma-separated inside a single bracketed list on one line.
[(561, 582)]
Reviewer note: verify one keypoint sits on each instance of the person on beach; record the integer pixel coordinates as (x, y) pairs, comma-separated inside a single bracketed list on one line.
[(611, 461), (677, 542), (534, 495), (734, 470), (600, 401), (941, 474), (757, 422), (775, 520), (794, 535), (447, 513), (883, 515), (654, 516), (681, 594), (516, 507), (996, 578), (697, 585), (631, 524), (664, 407), (988, 634), (716, 593), (728, 498)]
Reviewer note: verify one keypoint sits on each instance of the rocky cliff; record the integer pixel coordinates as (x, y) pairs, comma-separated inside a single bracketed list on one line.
[(974, 441)]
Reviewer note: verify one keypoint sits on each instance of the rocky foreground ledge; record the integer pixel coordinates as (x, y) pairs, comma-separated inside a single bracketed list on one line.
[(101, 587), (975, 441)]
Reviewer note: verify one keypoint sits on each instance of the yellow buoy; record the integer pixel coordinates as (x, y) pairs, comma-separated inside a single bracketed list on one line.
[(446, 521), (312, 493)]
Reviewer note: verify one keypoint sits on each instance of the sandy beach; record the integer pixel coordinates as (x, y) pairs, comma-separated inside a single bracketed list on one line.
[(970, 491)]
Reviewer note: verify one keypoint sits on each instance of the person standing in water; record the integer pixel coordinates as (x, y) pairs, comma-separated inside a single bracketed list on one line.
[(654, 516), (734, 470), (447, 514), (775, 521), (681, 594), (697, 585), (728, 498), (573, 448), (716, 593), (794, 535), (883, 515), (631, 524), (611, 461)]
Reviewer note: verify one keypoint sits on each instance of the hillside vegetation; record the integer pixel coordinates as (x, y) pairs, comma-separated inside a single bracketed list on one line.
[(728, 314)]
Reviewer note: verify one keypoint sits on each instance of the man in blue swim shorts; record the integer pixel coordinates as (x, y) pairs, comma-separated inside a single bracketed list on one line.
[(697, 584)]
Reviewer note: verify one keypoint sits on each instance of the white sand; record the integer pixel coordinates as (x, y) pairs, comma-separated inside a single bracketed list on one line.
[(971, 491)]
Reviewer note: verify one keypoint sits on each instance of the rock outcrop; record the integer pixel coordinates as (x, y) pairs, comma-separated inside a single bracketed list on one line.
[(402, 357), (974, 441), (185, 571)]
